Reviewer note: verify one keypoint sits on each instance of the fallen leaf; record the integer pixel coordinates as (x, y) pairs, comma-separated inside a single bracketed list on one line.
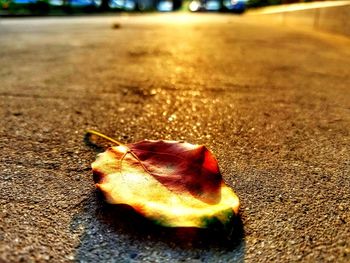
[(173, 183)]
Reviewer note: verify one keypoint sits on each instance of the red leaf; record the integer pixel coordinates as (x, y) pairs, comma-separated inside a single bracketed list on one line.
[(181, 167)]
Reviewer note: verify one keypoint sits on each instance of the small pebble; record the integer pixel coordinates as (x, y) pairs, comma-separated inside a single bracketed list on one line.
[(115, 26)]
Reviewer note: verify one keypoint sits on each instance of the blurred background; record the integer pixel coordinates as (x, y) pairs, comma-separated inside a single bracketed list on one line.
[(63, 7), (266, 91)]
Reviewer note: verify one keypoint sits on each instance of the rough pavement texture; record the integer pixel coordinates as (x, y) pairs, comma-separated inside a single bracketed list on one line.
[(272, 103)]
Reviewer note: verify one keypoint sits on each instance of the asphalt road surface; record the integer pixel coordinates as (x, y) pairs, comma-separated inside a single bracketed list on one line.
[(272, 103)]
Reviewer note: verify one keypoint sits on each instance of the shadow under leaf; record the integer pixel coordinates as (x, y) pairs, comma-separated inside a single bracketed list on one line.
[(116, 233)]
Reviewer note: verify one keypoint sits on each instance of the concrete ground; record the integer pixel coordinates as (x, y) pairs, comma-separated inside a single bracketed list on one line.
[(272, 103)]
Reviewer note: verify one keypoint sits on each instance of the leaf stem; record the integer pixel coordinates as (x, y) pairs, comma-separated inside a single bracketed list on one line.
[(104, 137), (119, 144)]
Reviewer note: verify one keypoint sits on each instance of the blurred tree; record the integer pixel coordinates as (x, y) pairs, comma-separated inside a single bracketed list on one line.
[(259, 3)]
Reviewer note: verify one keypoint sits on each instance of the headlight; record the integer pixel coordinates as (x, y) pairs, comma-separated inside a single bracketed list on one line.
[(194, 6)]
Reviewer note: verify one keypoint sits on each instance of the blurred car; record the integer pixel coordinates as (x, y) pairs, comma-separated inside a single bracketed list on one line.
[(237, 6), (144, 5), (168, 5), (204, 5), (131, 5), (56, 2), (70, 5), (165, 6), (83, 3), (23, 2), (213, 5)]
